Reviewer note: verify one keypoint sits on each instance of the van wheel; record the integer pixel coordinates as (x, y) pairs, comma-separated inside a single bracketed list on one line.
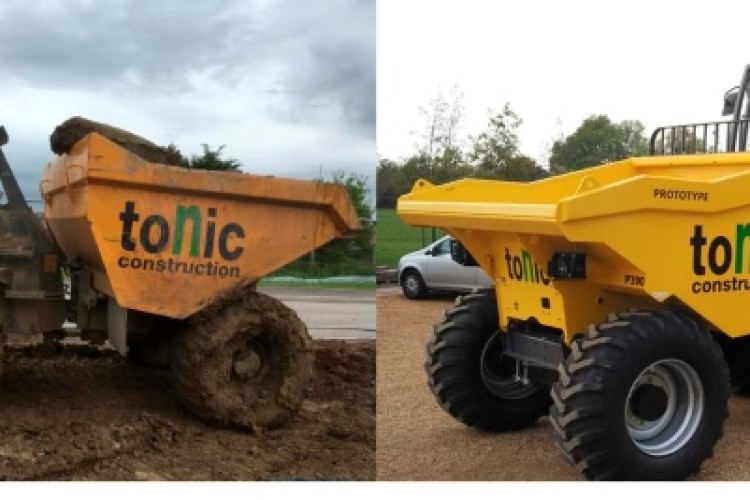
[(413, 285)]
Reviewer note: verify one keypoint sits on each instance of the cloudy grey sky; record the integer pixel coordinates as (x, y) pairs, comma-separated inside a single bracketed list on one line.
[(287, 85), (663, 63)]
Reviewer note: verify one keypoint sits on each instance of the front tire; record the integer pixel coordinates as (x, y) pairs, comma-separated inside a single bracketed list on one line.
[(469, 376), (642, 397)]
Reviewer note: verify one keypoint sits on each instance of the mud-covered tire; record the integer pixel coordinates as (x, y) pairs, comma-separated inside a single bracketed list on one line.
[(243, 362), (413, 285), (457, 376), (608, 416)]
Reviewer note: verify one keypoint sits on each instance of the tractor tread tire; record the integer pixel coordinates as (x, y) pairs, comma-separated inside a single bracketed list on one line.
[(587, 414), (453, 369), (201, 364)]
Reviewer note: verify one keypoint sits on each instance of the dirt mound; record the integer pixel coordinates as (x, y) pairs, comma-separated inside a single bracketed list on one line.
[(79, 413), (74, 129)]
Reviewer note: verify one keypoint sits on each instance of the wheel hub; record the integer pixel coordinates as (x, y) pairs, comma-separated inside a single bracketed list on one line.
[(649, 402), (247, 365), (664, 407), (411, 283)]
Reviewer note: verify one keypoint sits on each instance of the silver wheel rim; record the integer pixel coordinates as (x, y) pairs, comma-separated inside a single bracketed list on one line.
[(411, 283), (676, 424), (502, 385)]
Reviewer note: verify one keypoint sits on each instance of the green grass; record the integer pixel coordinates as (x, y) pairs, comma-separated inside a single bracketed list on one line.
[(394, 238)]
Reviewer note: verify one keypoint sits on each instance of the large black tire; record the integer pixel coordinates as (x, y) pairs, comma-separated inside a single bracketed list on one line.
[(611, 411), (469, 376), (413, 284), (243, 362)]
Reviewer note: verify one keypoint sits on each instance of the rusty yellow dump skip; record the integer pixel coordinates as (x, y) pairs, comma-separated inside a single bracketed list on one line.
[(652, 230), (166, 240)]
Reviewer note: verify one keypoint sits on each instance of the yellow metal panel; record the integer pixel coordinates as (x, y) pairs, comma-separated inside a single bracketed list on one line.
[(657, 232)]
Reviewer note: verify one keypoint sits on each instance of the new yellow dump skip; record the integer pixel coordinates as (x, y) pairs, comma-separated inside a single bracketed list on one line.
[(654, 230)]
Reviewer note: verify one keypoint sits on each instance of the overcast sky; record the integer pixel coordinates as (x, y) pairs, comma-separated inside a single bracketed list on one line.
[(287, 85), (557, 63)]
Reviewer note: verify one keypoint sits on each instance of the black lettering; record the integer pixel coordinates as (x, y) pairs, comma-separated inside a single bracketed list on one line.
[(507, 259), (706, 286), (223, 271), (234, 272), (148, 265), (225, 253), (128, 216), (163, 229), (713, 263), (122, 262), (696, 287), (199, 269), (517, 268), (697, 242), (135, 263), (161, 266)]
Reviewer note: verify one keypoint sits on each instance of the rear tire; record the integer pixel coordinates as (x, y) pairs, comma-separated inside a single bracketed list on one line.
[(470, 378), (243, 362), (642, 397), (413, 284)]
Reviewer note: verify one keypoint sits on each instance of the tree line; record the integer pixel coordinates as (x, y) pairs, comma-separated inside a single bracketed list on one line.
[(494, 153)]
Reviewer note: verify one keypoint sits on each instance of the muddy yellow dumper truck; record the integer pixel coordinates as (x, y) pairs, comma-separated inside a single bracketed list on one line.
[(163, 261), (620, 300)]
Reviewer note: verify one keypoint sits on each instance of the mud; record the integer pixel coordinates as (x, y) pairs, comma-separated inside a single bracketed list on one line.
[(74, 129), (79, 413)]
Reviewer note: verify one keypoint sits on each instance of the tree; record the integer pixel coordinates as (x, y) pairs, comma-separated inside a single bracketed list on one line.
[(388, 185), (443, 117), (210, 160), (597, 140), (495, 152), (337, 253)]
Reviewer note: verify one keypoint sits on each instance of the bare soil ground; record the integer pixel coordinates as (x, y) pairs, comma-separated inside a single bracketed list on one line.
[(87, 414), (417, 440)]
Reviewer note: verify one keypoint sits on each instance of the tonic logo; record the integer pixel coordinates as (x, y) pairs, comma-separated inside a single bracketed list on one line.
[(720, 255), (154, 233), (721, 252), (524, 268)]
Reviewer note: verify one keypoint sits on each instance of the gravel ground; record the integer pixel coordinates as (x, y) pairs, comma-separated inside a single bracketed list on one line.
[(416, 440)]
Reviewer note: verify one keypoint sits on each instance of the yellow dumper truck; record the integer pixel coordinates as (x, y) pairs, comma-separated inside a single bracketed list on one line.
[(619, 300), (164, 261)]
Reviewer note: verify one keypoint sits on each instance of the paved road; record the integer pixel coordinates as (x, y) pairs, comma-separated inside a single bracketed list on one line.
[(331, 313)]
